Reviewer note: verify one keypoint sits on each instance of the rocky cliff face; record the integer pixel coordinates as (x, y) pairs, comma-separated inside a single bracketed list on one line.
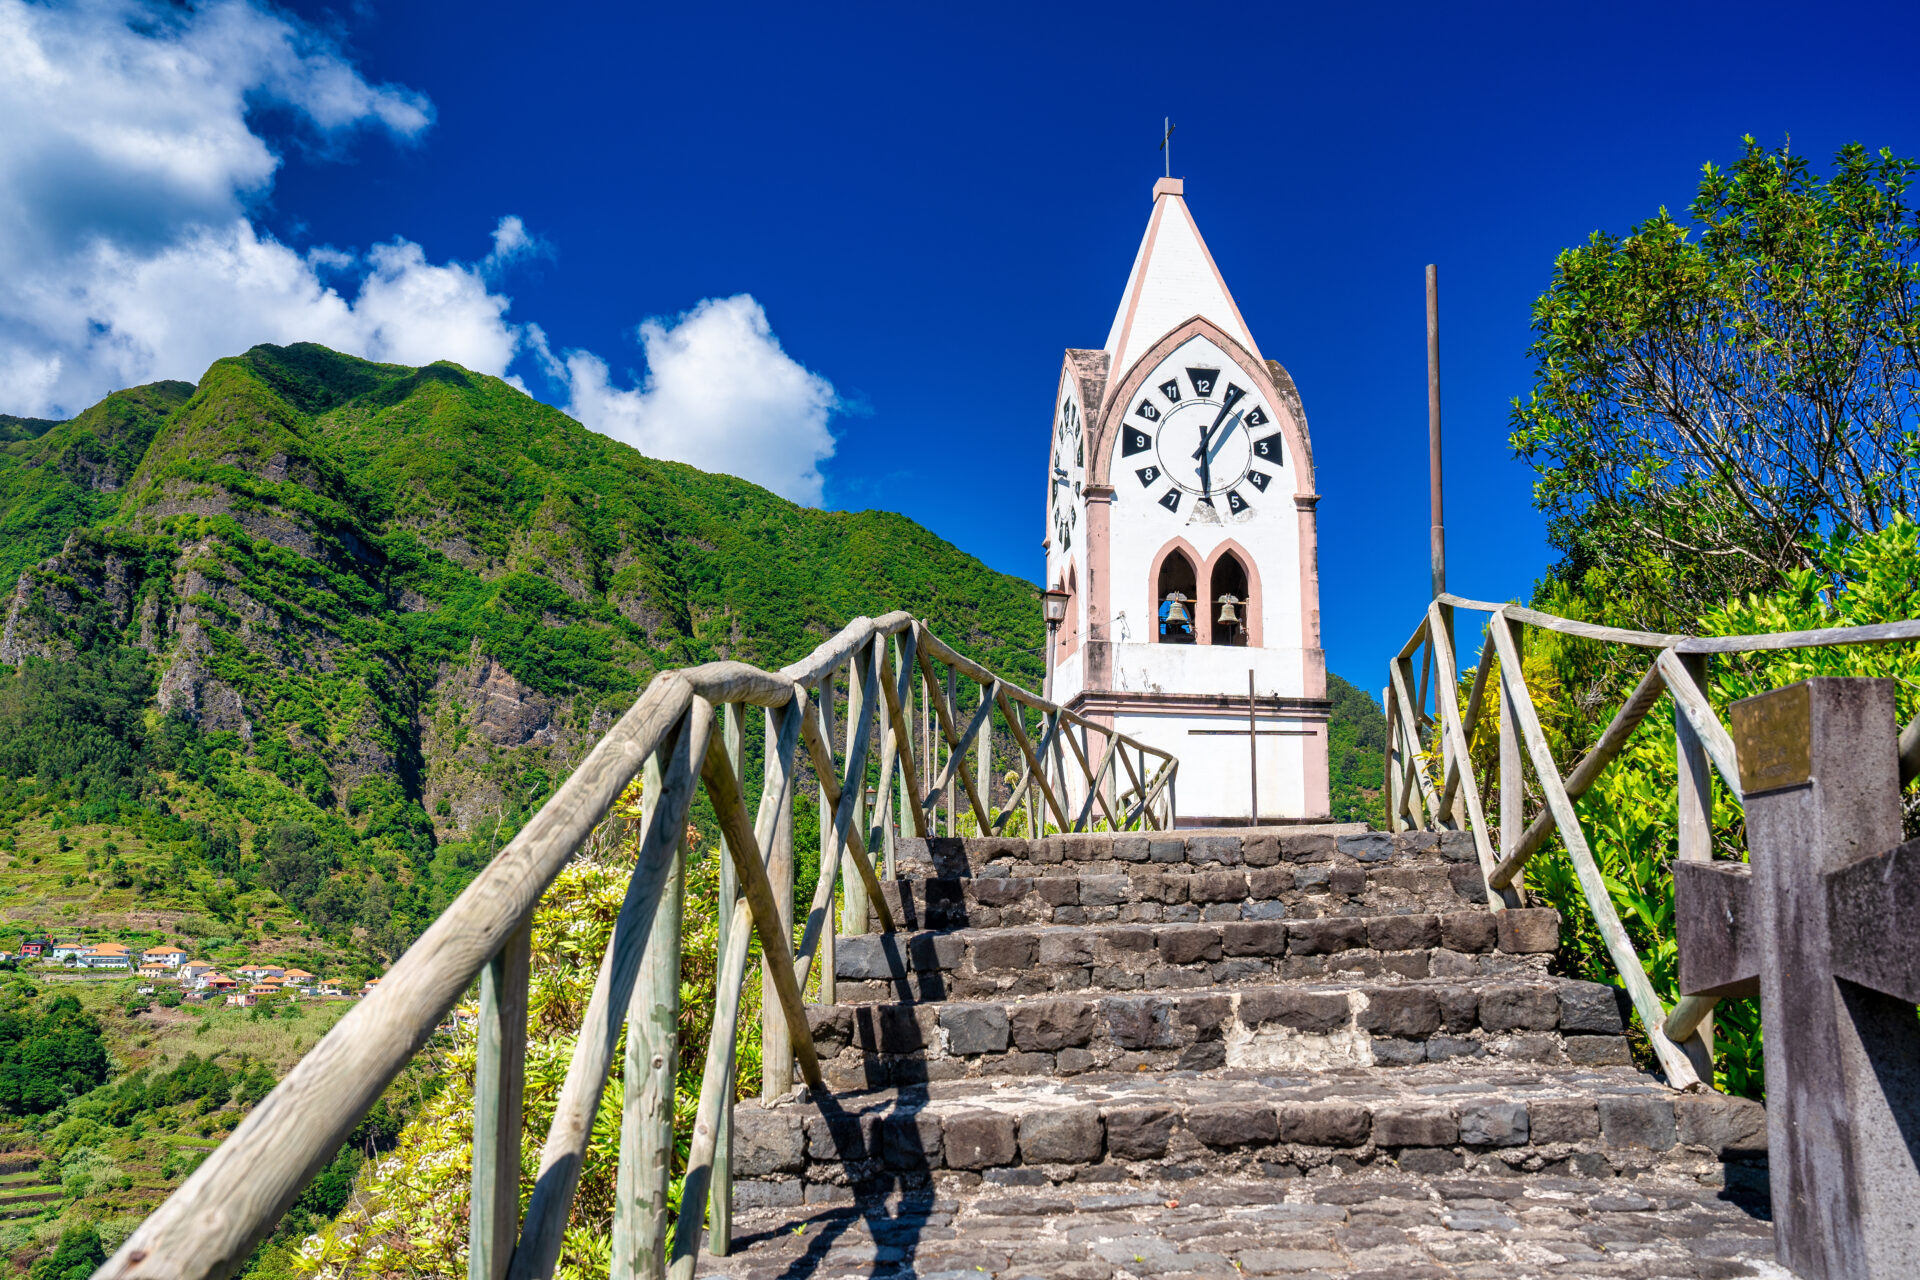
[(424, 577)]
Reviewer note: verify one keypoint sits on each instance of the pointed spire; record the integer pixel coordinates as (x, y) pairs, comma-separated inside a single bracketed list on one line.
[(1173, 280)]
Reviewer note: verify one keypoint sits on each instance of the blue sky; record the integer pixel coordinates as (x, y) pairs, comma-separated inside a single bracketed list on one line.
[(927, 206)]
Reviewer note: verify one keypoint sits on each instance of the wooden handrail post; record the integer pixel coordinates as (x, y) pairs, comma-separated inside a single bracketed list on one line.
[(1693, 801), (830, 859), (1452, 729), (953, 748), (776, 1047), (1513, 783), (1390, 762), (983, 768), (720, 1234), (565, 1151), (859, 716), (499, 1079), (651, 1069)]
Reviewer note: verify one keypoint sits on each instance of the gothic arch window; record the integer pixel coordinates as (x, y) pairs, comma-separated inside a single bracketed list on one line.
[(1229, 601), (1176, 598)]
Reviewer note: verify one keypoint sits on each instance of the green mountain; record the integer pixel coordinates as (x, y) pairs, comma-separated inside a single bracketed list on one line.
[(333, 628)]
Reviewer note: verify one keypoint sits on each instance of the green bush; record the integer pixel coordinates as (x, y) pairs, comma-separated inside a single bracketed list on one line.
[(48, 1056), (76, 1257)]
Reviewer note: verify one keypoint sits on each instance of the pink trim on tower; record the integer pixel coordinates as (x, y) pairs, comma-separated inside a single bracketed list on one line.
[(1099, 499), (1221, 280), (1139, 280), (1315, 675)]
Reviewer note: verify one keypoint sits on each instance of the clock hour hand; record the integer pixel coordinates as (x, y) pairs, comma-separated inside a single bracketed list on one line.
[(1206, 436)]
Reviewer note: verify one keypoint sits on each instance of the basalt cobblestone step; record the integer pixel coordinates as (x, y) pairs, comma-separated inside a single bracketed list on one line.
[(1389, 1224), (1032, 1132), (972, 964), (1075, 893), (973, 858), (1315, 1025)]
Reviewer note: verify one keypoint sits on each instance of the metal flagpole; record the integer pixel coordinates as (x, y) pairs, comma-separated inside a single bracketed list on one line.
[(1253, 756)]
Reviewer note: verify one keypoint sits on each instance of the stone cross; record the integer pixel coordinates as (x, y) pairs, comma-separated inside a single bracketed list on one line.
[(1824, 925)]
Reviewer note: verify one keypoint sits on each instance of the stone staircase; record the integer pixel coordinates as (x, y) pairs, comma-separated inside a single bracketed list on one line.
[(1271, 1052)]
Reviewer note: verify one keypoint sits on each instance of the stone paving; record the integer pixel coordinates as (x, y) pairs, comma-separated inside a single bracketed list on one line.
[(1385, 1223), (1219, 1055)]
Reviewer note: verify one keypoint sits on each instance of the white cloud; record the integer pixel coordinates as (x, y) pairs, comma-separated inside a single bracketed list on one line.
[(127, 171), (129, 174), (720, 393)]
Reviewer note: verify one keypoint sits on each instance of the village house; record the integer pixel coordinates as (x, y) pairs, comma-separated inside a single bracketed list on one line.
[(243, 999), (256, 972), (217, 982), (330, 987), (371, 984), (68, 948), (107, 955), (300, 980), (33, 948), (153, 973), (170, 957), (193, 971)]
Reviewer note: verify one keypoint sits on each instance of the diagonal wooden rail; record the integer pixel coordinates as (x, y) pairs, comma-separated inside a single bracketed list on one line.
[(669, 737), (1421, 745)]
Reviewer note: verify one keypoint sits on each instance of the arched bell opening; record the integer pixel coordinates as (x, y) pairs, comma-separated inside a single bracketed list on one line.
[(1177, 594), (1229, 601)]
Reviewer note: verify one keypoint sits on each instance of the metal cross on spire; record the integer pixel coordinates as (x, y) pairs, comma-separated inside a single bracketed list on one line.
[(1166, 144)]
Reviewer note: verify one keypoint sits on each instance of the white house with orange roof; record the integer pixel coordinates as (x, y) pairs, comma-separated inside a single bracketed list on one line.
[(170, 957), (1181, 526), (106, 955)]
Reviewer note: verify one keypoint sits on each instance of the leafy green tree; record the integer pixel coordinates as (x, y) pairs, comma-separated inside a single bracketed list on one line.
[(77, 722), (49, 1056), (1356, 755), (1712, 393)]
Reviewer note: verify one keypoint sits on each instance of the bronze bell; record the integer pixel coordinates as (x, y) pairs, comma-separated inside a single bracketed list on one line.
[(1227, 601), (1177, 608)]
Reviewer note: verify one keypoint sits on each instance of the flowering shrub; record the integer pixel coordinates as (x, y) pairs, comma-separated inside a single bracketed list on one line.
[(409, 1216)]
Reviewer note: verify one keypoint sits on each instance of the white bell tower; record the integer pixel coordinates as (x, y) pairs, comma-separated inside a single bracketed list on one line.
[(1180, 521)]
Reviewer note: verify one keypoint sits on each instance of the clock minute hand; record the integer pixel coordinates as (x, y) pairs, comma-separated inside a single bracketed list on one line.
[(1220, 441)]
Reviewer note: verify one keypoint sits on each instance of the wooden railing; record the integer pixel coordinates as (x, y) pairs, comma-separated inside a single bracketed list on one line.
[(1437, 789), (897, 674)]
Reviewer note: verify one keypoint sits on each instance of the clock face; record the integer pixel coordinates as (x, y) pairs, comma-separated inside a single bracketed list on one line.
[(1068, 465), (1200, 440)]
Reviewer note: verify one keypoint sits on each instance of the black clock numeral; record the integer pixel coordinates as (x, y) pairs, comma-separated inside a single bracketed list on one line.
[(1147, 476), (1233, 397), (1256, 417), (1259, 480), (1268, 447), (1171, 500), (1203, 380), (1235, 503), (1171, 390), (1148, 411), (1137, 441)]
